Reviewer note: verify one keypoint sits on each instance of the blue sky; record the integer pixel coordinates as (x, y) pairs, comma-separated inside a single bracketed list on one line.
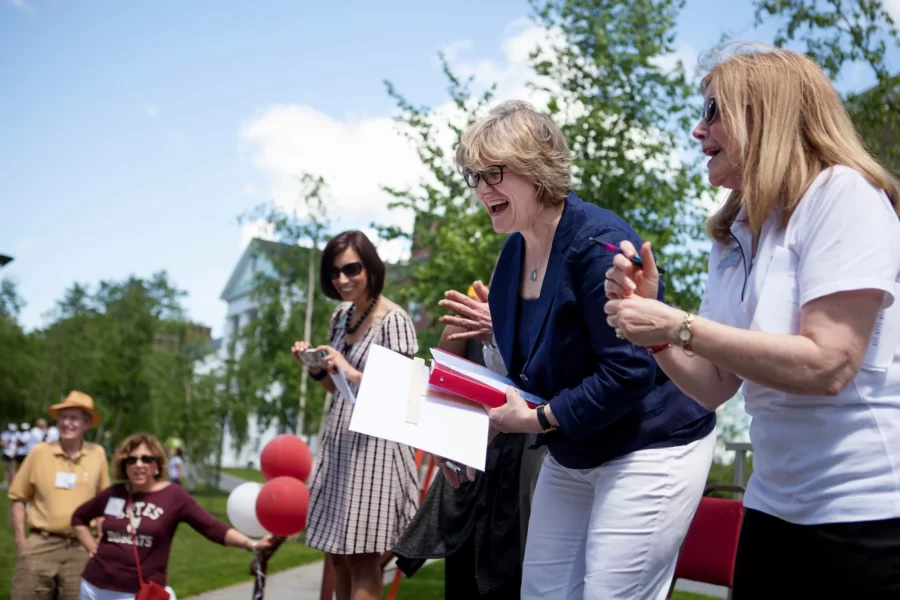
[(134, 133)]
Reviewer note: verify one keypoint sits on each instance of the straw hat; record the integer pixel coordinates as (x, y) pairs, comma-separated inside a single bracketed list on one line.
[(80, 401)]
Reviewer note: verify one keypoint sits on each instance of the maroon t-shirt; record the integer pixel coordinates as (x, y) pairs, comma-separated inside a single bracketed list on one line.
[(156, 516)]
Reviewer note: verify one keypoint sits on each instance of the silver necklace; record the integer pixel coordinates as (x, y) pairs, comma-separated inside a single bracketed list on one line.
[(533, 275)]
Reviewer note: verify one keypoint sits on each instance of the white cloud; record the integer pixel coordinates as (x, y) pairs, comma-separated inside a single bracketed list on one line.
[(23, 6), (358, 154), (151, 110)]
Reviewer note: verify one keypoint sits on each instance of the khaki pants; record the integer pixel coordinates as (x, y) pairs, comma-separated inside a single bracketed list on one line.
[(49, 568)]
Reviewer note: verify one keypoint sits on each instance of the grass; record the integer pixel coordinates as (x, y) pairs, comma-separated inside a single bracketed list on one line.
[(247, 474), (428, 584), (196, 565)]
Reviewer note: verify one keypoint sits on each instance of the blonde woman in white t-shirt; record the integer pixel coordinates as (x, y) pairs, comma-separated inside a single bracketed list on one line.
[(800, 308)]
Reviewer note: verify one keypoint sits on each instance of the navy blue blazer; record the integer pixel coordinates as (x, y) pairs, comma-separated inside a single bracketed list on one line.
[(608, 395)]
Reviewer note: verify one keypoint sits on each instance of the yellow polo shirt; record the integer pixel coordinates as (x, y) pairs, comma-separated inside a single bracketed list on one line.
[(54, 485)]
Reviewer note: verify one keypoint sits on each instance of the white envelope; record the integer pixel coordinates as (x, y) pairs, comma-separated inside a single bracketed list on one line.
[(395, 402)]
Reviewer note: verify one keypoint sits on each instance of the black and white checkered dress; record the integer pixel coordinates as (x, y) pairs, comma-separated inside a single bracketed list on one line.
[(364, 490)]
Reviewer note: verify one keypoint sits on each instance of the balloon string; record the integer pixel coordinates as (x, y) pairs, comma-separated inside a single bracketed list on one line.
[(260, 579)]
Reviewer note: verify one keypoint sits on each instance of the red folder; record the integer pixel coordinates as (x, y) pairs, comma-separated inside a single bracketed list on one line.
[(471, 381)]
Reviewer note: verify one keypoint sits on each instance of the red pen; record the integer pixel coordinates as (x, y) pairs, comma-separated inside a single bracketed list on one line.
[(616, 250)]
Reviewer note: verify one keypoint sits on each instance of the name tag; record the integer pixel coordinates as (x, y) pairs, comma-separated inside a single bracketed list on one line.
[(115, 507), (66, 481)]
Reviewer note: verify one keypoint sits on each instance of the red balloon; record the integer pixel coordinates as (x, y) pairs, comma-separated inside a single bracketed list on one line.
[(285, 456), (281, 506)]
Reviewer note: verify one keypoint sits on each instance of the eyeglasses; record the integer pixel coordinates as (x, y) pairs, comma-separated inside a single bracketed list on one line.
[(492, 176), (145, 460), (350, 270), (710, 110)]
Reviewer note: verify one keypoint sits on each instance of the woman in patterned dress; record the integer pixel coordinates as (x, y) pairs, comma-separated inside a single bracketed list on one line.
[(364, 490)]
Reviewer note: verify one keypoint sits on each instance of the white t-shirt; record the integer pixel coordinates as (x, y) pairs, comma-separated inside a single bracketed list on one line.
[(38, 435), (173, 466), (8, 439), (23, 443), (820, 459), (52, 435)]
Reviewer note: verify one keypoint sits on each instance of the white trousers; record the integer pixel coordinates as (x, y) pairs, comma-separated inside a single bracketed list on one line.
[(92, 592), (613, 532)]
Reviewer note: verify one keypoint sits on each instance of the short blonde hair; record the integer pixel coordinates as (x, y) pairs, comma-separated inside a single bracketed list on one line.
[(128, 445), (789, 125), (527, 142)]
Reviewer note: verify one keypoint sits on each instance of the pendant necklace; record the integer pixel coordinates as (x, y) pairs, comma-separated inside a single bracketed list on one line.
[(533, 275)]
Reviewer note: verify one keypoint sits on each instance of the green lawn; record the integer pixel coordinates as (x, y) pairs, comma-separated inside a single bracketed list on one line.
[(196, 565), (248, 474), (428, 584)]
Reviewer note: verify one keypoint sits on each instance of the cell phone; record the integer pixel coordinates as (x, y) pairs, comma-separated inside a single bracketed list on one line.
[(313, 358)]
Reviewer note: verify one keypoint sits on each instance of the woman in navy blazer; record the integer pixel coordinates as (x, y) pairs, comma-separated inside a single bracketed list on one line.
[(628, 452)]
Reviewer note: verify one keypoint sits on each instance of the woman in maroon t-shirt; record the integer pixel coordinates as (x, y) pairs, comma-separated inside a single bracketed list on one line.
[(144, 511)]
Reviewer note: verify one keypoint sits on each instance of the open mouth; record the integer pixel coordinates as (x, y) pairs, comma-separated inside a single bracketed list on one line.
[(712, 152), (498, 207)]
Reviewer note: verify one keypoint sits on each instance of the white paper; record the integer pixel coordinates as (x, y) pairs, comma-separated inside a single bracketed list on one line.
[(65, 481), (341, 384), (449, 426), (479, 373)]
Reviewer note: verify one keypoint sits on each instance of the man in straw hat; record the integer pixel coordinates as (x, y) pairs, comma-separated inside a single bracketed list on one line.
[(55, 479)]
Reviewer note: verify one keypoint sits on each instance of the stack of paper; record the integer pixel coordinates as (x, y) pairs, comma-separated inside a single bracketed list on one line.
[(403, 400)]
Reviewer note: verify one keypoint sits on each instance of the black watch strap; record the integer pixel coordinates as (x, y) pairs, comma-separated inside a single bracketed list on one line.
[(543, 420), (320, 375)]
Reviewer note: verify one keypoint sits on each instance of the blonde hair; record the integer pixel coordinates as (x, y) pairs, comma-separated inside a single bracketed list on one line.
[(788, 124), (528, 143), (128, 446)]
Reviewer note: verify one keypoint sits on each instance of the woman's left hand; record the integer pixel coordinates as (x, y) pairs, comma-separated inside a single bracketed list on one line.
[(644, 321), (515, 416), (474, 316)]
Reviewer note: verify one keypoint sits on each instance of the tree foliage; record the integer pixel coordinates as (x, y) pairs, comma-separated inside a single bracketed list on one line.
[(838, 34), (125, 343), (266, 375), (627, 116), (452, 231)]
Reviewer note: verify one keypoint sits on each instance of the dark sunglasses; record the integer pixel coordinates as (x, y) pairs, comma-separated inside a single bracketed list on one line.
[(146, 460), (710, 110), (491, 176), (350, 270)]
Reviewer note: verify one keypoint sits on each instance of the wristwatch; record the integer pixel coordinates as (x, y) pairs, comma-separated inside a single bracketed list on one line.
[(250, 545), (544, 421), (686, 333)]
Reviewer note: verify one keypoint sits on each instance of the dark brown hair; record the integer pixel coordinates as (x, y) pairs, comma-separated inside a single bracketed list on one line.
[(368, 256), (128, 445)]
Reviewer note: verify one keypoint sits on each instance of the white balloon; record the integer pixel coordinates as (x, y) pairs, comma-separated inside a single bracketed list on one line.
[(241, 509)]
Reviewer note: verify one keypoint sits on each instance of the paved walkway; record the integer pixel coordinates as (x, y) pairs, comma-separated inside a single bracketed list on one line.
[(303, 583)]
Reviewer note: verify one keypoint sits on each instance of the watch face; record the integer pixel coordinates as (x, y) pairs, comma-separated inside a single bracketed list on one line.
[(684, 334)]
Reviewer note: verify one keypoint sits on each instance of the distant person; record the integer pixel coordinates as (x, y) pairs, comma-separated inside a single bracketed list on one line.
[(23, 443), (53, 481), (143, 511), (38, 434), (8, 439), (364, 490), (176, 467), (52, 433)]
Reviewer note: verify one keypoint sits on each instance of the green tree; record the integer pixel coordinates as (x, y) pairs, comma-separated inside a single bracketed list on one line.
[(290, 307), (455, 232), (19, 352), (838, 34), (627, 118)]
